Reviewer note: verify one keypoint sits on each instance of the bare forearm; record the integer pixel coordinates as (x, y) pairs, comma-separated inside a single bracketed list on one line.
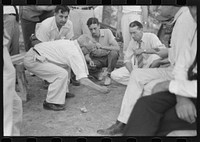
[(90, 84), (45, 8), (116, 48)]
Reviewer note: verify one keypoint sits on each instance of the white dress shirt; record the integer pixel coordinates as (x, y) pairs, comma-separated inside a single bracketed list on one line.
[(185, 52), (149, 40), (64, 53), (48, 30), (8, 10)]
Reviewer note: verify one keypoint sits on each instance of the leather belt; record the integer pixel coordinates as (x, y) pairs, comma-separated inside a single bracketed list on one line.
[(12, 14), (83, 8), (36, 51)]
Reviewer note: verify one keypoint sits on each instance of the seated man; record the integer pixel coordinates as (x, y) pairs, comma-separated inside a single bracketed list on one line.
[(148, 50), (143, 80), (173, 103), (47, 61), (106, 52)]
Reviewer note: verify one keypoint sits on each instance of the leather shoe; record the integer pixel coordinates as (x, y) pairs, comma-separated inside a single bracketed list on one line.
[(51, 106), (116, 128), (69, 95), (74, 82)]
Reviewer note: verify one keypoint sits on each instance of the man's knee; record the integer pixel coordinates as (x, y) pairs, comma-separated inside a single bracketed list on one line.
[(114, 54)]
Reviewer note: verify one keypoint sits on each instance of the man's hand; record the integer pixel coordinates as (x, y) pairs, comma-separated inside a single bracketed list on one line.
[(98, 45), (92, 63), (104, 89), (155, 64), (138, 51), (161, 87), (185, 109)]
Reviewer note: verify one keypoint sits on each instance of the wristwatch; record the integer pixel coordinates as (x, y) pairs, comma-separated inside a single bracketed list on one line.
[(144, 50)]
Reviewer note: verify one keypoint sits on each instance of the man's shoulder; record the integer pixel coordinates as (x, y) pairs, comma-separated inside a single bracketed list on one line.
[(48, 21), (69, 24)]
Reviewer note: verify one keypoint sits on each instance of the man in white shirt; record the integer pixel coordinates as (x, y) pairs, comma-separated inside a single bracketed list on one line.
[(47, 61), (149, 44), (12, 103), (126, 15), (56, 27), (172, 105), (11, 25), (143, 80)]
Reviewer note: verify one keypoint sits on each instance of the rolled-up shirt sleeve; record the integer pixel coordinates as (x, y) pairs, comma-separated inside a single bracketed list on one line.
[(184, 88)]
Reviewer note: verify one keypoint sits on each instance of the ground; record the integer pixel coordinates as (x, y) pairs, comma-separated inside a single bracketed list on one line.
[(102, 111)]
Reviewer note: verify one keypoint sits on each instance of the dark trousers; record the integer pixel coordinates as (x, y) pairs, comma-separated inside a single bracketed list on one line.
[(108, 61), (28, 28), (155, 115)]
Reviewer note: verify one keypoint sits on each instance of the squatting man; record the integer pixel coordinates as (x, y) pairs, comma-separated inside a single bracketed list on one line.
[(48, 61)]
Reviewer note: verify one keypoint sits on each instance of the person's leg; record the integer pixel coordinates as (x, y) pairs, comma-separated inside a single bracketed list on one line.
[(121, 75), (112, 60), (55, 75), (146, 116), (12, 103), (28, 28), (85, 15), (138, 78), (171, 122), (9, 28), (15, 40), (17, 115)]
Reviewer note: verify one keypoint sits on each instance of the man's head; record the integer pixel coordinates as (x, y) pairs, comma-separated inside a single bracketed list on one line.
[(61, 15), (94, 26), (86, 41), (136, 30), (193, 11)]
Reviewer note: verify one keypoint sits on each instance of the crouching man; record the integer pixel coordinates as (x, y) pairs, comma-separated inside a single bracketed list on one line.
[(47, 60)]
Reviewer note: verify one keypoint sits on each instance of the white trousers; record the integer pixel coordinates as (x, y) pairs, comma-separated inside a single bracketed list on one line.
[(127, 18), (57, 77), (141, 83), (12, 103), (79, 19), (122, 75)]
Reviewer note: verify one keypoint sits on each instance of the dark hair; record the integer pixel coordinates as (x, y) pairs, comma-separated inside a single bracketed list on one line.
[(136, 23), (92, 20), (63, 8)]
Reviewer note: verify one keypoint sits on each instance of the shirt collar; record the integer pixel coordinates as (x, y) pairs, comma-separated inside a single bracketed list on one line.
[(101, 33)]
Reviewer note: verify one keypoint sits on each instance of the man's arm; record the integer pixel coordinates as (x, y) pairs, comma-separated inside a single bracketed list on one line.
[(45, 8)]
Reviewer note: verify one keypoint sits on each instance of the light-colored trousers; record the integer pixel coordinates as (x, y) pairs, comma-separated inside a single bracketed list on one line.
[(140, 84), (57, 76), (127, 18), (79, 19), (12, 28), (122, 75), (12, 103)]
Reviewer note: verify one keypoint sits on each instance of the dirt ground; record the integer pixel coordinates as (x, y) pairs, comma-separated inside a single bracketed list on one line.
[(102, 111)]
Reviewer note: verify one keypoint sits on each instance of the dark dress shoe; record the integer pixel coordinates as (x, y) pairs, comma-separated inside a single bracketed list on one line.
[(116, 128), (51, 106), (69, 95), (74, 82)]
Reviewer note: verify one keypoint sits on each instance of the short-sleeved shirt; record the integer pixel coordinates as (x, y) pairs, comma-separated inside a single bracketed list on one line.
[(106, 39), (64, 53), (48, 30), (149, 40)]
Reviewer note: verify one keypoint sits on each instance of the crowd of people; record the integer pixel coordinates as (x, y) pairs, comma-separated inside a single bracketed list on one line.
[(160, 78)]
